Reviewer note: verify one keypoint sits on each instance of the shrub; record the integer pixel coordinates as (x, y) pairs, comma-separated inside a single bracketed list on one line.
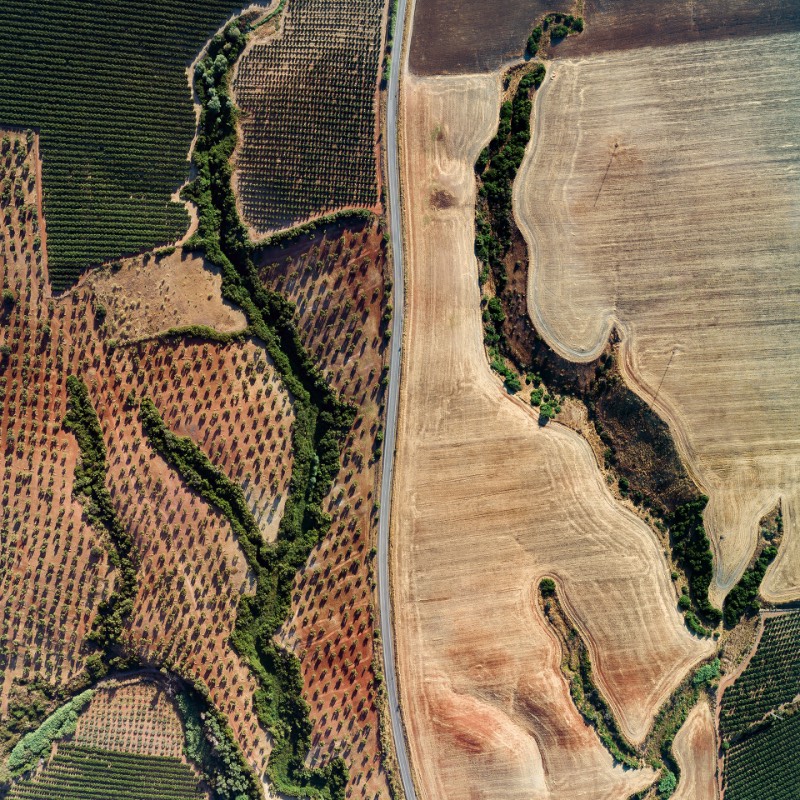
[(36, 744), (707, 673)]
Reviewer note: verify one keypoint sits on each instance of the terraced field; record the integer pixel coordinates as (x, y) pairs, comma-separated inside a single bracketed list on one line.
[(658, 196)]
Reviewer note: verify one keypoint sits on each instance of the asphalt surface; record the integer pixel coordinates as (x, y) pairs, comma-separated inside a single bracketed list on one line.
[(392, 402)]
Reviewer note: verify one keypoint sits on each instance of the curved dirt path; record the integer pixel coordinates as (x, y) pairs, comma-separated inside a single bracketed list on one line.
[(486, 501), (659, 194)]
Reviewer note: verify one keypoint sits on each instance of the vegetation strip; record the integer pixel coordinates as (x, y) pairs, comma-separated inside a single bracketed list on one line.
[(321, 421), (90, 484), (639, 446)]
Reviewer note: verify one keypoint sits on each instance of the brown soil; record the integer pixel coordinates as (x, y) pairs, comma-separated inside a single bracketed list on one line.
[(336, 279), (458, 36), (625, 25), (149, 294), (465, 36)]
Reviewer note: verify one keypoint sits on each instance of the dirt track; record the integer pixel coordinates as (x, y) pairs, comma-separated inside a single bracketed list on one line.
[(485, 502), (660, 194)]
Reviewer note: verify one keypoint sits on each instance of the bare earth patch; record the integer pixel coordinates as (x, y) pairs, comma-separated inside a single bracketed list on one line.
[(659, 194), (486, 502), (696, 753), (149, 294)]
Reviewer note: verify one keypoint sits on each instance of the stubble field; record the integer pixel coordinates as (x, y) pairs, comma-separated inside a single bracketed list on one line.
[(696, 753), (659, 194), (486, 502)]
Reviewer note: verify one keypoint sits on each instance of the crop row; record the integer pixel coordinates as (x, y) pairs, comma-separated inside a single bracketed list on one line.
[(114, 113), (91, 773), (308, 129), (766, 765), (772, 677)]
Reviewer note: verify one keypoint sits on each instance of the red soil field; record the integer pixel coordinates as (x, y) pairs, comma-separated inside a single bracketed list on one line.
[(229, 400), (192, 571), (336, 280)]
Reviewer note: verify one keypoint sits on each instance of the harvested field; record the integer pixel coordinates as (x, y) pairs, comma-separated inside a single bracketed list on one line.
[(696, 753), (308, 143), (658, 195), (486, 502), (149, 294)]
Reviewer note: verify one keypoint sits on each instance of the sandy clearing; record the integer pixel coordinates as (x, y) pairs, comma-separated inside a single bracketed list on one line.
[(486, 502), (660, 193), (696, 754), (150, 294)]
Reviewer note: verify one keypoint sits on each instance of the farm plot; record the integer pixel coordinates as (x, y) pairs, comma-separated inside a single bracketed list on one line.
[(113, 106), (76, 772), (654, 202), (771, 678), (308, 129), (486, 502), (134, 716), (336, 280)]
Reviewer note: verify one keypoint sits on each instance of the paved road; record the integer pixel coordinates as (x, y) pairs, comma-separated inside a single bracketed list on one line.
[(398, 303)]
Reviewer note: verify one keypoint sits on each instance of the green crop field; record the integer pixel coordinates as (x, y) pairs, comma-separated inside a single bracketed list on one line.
[(84, 773), (105, 85), (772, 677), (766, 766), (308, 124)]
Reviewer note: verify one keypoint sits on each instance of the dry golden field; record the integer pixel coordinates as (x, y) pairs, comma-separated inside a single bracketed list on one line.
[(660, 194), (486, 502), (696, 753), (147, 295)]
